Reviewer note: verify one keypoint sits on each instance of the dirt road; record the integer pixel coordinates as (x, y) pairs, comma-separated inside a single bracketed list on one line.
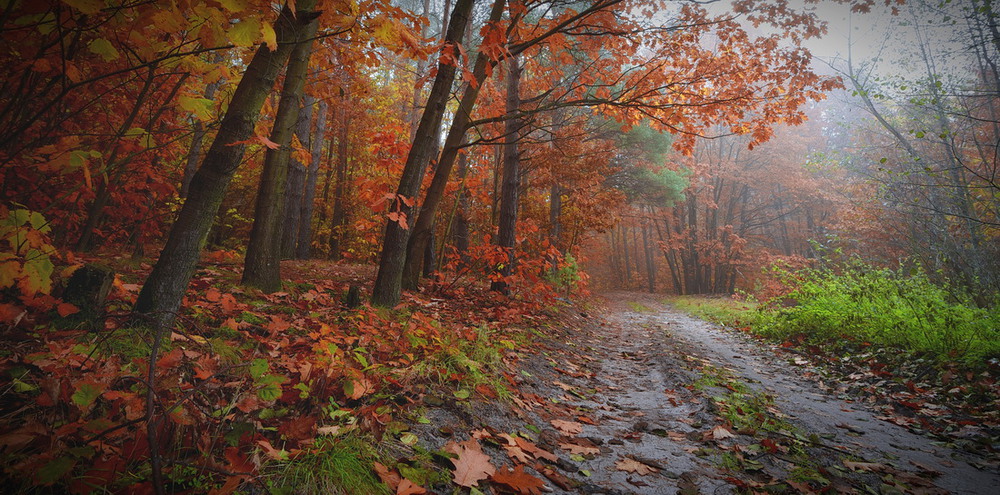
[(642, 399)]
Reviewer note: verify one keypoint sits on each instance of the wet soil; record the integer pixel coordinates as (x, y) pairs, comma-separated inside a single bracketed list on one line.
[(612, 394)]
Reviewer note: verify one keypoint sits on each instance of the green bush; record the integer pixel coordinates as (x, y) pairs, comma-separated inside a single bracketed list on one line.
[(886, 308)]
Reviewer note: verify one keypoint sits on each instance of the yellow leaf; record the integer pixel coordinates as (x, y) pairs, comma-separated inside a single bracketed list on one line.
[(299, 152), (200, 107), (104, 48), (170, 20), (9, 273), (267, 31), (86, 6), (234, 5), (244, 33), (37, 272), (134, 132)]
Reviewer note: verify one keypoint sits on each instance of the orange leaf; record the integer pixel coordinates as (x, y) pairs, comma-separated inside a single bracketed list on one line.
[(721, 432), (390, 478), (267, 142), (407, 487), (356, 389), (472, 465), (574, 448), (65, 309), (567, 427), (299, 428), (228, 303), (213, 295), (520, 481), (630, 465), (278, 325), (272, 452)]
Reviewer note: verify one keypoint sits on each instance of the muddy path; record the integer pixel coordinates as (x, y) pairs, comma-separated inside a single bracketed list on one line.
[(635, 397)]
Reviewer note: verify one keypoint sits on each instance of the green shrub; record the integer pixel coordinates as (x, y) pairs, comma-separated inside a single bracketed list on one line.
[(566, 275), (887, 308)]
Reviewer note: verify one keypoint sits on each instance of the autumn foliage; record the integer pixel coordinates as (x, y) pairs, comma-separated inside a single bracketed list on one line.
[(540, 148)]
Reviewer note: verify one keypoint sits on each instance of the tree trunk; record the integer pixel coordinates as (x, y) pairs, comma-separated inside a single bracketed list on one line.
[(198, 138), (102, 196), (163, 290), (337, 217), (388, 282), (302, 252), (460, 231), (419, 240), (295, 184), (627, 275), (262, 266), (507, 233), (650, 264), (328, 178)]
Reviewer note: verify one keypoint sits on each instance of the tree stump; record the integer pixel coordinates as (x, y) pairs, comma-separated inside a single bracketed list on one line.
[(353, 298), (88, 290)]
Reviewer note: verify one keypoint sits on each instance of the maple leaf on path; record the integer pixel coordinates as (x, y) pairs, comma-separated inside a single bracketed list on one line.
[(472, 465), (567, 427), (630, 465), (575, 448), (520, 481), (866, 466), (519, 448), (514, 452), (721, 432)]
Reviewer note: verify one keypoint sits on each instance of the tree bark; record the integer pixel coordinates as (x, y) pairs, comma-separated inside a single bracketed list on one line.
[(650, 263), (387, 290), (161, 295), (337, 217), (198, 138), (460, 231), (296, 184), (261, 268), (420, 236), (507, 233), (302, 251)]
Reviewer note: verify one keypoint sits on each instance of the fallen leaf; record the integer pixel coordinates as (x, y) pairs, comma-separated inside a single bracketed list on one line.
[(866, 466), (721, 432), (567, 427), (65, 309), (278, 325), (520, 481), (630, 465), (213, 295), (407, 487), (677, 436), (565, 387), (328, 430), (358, 388), (299, 428), (534, 450), (472, 465), (390, 478), (273, 453), (926, 469), (576, 448)]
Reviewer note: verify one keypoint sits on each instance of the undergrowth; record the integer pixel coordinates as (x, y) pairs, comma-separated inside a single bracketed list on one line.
[(335, 465), (886, 308), (856, 305)]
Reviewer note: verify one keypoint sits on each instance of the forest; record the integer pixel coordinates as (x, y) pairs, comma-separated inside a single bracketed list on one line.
[(246, 246)]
